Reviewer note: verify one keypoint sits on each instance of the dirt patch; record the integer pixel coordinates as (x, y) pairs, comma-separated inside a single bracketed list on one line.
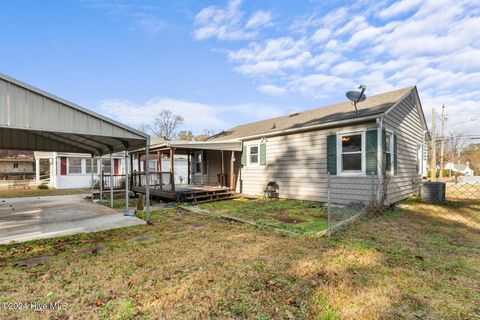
[(33, 261), (289, 219)]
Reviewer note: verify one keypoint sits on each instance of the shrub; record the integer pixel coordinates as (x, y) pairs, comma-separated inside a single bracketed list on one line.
[(43, 187)]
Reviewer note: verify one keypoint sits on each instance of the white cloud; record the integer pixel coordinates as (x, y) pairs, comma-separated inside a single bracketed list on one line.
[(228, 23), (258, 19), (272, 90), (348, 68), (434, 44), (198, 116), (399, 7)]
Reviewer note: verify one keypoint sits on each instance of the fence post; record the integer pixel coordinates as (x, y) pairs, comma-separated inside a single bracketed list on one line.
[(329, 213)]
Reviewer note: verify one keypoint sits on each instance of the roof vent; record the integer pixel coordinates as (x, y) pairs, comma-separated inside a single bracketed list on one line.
[(293, 114)]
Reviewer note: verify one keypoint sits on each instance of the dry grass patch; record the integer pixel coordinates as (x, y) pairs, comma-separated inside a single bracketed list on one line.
[(41, 192), (407, 263)]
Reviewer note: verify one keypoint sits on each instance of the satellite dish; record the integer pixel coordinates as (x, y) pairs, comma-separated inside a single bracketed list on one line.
[(357, 96)]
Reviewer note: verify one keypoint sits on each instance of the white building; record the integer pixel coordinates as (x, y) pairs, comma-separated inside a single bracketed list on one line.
[(73, 170), (460, 168)]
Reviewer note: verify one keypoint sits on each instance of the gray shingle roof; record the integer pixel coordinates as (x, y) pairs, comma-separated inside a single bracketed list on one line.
[(341, 111)]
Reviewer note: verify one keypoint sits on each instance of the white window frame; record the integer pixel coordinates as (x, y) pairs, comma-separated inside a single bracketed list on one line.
[(195, 162), (341, 134), (392, 152), (249, 146), (82, 167)]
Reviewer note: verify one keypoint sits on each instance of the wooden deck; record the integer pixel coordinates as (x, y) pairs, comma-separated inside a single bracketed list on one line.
[(189, 193)]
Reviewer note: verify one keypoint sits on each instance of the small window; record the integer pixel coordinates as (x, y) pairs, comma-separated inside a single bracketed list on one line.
[(88, 166), (152, 166), (351, 152), (15, 165), (198, 162), (253, 154), (106, 165), (74, 165), (388, 152)]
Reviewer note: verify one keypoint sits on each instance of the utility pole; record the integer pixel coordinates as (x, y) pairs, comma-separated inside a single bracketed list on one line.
[(433, 163), (442, 146)]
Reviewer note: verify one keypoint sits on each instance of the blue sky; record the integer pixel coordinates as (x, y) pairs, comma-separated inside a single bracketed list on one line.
[(223, 63)]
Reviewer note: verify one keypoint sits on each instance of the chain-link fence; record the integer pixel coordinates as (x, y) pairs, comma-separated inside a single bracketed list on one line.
[(463, 200), (351, 197), (348, 198)]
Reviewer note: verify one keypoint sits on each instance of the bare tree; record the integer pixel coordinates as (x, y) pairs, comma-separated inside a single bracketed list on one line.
[(185, 135), (165, 124)]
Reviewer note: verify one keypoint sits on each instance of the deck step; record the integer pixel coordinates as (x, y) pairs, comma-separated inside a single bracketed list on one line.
[(219, 194), (218, 199), (201, 192)]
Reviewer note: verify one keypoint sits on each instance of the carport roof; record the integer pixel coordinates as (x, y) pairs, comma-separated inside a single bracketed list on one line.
[(32, 119)]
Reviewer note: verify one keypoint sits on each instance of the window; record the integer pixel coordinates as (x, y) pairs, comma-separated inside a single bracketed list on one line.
[(15, 165), (351, 153), (88, 166), (388, 152), (152, 165), (106, 165), (74, 165), (198, 162), (253, 154), (420, 159)]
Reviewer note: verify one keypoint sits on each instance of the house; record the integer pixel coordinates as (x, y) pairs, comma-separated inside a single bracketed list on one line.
[(16, 165), (460, 168), (300, 151), (62, 170)]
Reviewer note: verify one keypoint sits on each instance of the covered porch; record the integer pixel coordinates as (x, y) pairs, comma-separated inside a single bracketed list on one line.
[(187, 171)]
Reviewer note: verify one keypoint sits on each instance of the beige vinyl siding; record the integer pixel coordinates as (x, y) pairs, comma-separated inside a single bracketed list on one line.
[(406, 122), (298, 163)]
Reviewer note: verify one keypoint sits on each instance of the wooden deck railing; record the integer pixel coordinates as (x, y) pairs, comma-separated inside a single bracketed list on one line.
[(118, 181), (158, 180)]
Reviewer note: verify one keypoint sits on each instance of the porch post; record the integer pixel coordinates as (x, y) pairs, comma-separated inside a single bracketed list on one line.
[(111, 179), (222, 173), (147, 182), (189, 169), (159, 164), (139, 155), (232, 171), (172, 171), (126, 181), (91, 170), (101, 177), (131, 168), (37, 172)]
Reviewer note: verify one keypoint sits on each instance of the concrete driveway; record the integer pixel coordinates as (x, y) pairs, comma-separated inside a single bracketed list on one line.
[(23, 219)]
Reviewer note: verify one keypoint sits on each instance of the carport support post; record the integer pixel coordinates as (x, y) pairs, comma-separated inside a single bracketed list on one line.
[(147, 180), (111, 179), (91, 170), (126, 180), (101, 178)]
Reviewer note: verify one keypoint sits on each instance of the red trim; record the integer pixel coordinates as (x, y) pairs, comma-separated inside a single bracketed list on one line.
[(116, 166), (63, 166)]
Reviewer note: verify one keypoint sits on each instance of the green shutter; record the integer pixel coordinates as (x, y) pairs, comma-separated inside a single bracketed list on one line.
[(371, 151), (244, 156), (384, 149), (332, 154), (263, 153), (395, 161)]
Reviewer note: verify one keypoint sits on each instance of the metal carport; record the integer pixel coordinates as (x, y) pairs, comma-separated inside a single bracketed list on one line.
[(35, 120)]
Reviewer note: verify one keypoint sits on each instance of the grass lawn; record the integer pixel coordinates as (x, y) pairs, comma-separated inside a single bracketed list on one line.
[(301, 217), (40, 192), (414, 262)]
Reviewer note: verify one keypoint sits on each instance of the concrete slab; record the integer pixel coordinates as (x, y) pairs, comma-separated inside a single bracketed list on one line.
[(23, 219)]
